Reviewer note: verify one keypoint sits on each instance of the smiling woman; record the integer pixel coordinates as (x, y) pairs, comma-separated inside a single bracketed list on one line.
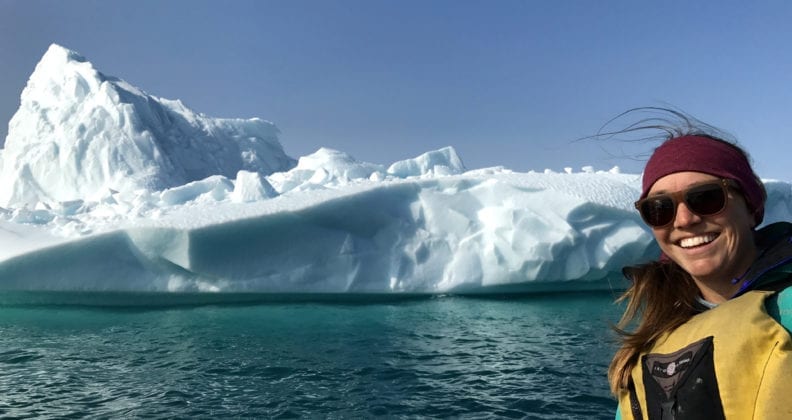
[(718, 274)]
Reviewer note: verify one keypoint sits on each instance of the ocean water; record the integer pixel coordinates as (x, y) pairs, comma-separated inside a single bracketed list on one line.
[(540, 356)]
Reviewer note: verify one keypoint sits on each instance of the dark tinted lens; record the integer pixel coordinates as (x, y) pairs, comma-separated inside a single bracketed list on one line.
[(706, 199), (658, 211)]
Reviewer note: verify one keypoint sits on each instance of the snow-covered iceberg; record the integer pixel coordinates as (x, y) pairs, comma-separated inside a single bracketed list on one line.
[(106, 188), (79, 134)]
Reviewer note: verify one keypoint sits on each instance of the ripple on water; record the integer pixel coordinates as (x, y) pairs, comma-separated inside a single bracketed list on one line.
[(19, 356), (453, 357)]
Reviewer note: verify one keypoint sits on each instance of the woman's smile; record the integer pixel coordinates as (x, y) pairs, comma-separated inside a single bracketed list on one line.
[(697, 241)]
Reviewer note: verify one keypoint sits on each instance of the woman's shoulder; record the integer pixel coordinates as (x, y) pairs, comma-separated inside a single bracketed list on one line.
[(784, 298), (779, 306)]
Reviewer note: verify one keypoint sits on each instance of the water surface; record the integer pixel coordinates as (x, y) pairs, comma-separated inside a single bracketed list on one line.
[(537, 356)]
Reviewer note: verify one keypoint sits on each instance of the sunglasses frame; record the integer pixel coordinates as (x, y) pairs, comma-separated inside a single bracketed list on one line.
[(680, 197)]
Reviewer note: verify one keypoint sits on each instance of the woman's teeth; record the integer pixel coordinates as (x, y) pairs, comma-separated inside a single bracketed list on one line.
[(697, 240)]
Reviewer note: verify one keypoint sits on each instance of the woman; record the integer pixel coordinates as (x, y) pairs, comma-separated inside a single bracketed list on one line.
[(711, 318)]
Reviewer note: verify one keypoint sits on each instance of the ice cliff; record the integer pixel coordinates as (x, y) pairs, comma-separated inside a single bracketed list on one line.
[(106, 188)]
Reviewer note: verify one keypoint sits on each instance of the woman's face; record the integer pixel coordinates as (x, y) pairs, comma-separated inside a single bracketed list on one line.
[(712, 249)]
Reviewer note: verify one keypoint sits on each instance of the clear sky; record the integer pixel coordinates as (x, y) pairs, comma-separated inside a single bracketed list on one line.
[(509, 83)]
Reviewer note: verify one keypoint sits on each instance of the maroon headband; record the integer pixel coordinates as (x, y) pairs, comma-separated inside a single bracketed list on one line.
[(709, 156)]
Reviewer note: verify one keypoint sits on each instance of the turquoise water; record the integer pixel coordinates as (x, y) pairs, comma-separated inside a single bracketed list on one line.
[(538, 356)]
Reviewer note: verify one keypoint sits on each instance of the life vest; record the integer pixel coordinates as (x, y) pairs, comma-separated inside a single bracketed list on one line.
[(730, 362)]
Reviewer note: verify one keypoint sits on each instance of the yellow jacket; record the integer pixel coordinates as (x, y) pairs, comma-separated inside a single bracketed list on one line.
[(733, 361)]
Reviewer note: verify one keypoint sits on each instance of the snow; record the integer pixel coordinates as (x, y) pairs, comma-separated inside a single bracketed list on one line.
[(105, 188), (80, 134)]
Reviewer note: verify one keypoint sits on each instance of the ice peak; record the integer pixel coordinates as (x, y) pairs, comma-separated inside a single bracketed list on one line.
[(443, 161), (59, 54), (61, 75), (79, 133)]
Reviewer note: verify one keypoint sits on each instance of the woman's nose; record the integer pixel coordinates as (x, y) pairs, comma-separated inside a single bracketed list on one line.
[(685, 217)]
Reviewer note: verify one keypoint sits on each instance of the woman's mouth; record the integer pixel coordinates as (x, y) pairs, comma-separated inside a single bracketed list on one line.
[(695, 241)]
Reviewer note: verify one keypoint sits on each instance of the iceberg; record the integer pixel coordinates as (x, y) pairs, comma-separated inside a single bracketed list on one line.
[(105, 188), (79, 133)]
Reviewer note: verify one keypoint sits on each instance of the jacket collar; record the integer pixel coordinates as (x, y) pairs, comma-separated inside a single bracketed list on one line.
[(773, 265)]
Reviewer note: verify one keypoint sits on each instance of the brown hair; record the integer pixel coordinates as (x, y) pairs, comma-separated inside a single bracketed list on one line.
[(662, 297)]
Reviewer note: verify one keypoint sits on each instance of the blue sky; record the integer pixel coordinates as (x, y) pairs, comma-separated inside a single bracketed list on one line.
[(509, 83)]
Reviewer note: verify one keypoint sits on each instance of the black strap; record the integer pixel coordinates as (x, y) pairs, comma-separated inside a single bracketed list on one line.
[(635, 406)]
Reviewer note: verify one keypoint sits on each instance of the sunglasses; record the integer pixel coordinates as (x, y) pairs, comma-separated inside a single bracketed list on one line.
[(703, 200)]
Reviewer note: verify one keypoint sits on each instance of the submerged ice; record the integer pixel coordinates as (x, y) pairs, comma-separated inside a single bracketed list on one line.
[(106, 188)]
